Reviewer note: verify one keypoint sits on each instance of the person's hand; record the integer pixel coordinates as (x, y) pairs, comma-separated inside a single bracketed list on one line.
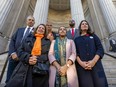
[(84, 64), (50, 36), (32, 60), (58, 68), (14, 56), (90, 64), (63, 70)]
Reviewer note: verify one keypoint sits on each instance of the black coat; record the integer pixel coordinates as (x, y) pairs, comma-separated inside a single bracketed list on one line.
[(24, 52), (87, 47)]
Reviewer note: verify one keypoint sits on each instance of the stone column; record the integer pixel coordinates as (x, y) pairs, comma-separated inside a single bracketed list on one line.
[(109, 12), (99, 26), (12, 14), (41, 11), (5, 7), (77, 11)]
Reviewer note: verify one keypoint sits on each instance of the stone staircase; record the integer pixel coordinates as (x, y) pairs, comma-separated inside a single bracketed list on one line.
[(109, 64), (3, 58)]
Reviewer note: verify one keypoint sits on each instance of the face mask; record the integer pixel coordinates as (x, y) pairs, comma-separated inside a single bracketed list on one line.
[(72, 25)]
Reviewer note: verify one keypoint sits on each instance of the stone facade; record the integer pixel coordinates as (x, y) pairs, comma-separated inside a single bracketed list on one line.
[(59, 18), (59, 14), (15, 18)]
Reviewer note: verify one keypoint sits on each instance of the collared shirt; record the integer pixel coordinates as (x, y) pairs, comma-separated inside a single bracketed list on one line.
[(31, 28), (71, 30)]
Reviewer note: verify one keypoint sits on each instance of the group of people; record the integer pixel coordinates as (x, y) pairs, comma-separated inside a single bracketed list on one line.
[(73, 57)]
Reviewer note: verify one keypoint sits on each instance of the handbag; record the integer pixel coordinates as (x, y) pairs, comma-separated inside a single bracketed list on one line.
[(41, 68)]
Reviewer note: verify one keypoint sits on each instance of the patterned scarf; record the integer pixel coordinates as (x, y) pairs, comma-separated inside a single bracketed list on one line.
[(60, 55), (58, 48), (36, 50)]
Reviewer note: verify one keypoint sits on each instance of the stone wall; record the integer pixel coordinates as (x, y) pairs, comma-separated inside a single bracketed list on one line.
[(94, 16), (15, 19), (59, 18)]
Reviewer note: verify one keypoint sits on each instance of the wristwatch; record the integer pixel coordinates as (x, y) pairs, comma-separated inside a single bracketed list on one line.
[(68, 65)]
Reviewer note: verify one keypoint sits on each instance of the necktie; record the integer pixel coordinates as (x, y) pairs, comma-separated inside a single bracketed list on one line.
[(26, 34), (72, 32)]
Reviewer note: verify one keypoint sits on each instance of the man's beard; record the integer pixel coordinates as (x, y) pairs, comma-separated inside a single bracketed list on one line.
[(72, 25)]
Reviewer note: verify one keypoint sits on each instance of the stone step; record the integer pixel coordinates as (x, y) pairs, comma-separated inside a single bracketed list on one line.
[(111, 81), (2, 62), (2, 85), (109, 65)]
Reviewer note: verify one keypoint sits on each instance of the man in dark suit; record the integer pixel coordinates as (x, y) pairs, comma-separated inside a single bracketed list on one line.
[(73, 32), (15, 43)]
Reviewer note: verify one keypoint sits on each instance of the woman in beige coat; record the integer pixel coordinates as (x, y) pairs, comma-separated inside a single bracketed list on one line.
[(62, 55)]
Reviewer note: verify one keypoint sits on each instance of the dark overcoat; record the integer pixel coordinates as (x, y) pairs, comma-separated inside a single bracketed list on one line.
[(24, 52), (87, 47)]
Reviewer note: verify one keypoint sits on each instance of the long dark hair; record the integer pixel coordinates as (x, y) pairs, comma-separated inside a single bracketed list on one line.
[(89, 31), (37, 28)]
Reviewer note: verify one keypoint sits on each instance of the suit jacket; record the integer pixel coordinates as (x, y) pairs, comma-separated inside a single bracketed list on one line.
[(76, 34), (16, 40), (71, 72)]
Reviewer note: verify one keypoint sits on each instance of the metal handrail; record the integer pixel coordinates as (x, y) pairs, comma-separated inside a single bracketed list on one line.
[(4, 67), (3, 52), (110, 55)]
